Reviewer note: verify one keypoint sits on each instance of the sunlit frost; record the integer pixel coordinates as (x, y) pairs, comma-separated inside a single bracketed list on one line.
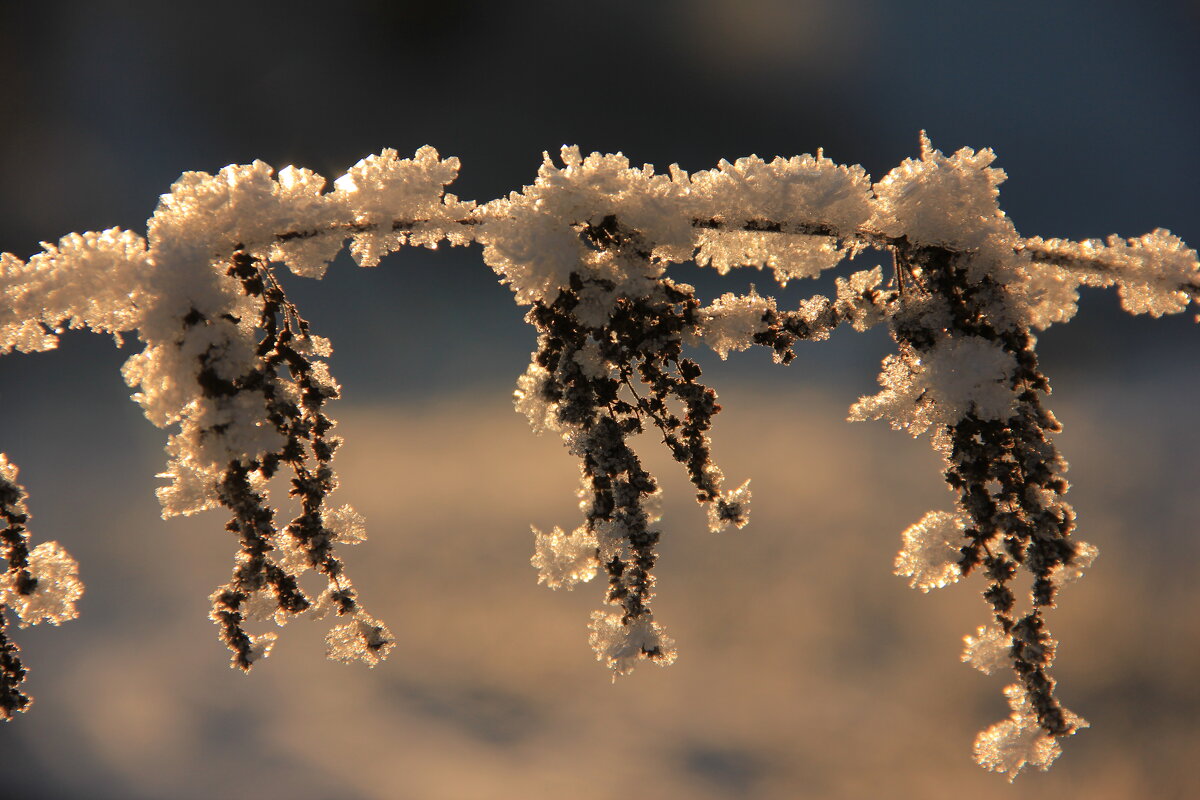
[(930, 554)]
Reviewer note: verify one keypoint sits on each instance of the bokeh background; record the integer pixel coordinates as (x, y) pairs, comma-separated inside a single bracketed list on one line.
[(806, 668)]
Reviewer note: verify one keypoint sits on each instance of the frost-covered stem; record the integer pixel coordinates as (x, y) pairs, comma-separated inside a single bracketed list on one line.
[(1070, 258), (15, 538), (255, 570), (1005, 471), (303, 425), (12, 673), (609, 361), (293, 408), (15, 541), (647, 334), (615, 479), (1090, 266)]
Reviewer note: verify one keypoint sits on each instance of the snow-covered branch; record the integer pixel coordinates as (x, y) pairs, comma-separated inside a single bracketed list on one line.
[(230, 365)]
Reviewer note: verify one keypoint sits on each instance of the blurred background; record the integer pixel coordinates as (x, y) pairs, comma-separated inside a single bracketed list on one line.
[(806, 669)]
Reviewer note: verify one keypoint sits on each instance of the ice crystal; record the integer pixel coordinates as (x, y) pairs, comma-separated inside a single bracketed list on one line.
[(940, 386), (732, 321), (56, 590), (988, 649), (39, 584), (363, 638), (929, 557), (565, 559), (620, 644), (1012, 744)]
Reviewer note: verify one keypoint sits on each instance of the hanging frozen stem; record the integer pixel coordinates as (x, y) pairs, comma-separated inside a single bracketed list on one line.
[(39, 584), (265, 579), (609, 364)]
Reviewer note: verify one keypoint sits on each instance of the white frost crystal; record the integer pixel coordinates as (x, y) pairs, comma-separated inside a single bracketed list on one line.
[(363, 638), (729, 324), (738, 498), (791, 257), (347, 525), (606, 231), (942, 200), (261, 646), (564, 559), (57, 591), (90, 280), (988, 650), (528, 400), (1150, 271), (620, 646), (531, 239), (812, 189), (931, 551), (384, 189), (1011, 744), (850, 292), (959, 375), (1085, 554)]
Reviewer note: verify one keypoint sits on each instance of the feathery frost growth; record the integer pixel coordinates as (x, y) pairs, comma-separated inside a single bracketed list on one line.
[(231, 367)]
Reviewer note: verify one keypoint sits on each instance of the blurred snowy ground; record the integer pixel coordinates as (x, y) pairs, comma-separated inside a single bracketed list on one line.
[(806, 668)]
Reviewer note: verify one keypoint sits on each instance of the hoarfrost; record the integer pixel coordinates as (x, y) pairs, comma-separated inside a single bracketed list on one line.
[(56, 591), (620, 645), (363, 638), (731, 509), (958, 376), (929, 557), (531, 238), (809, 189), (988, 650), (529, 400), (1151, 272), (729, 324), (791, 257), (261, 646), (564, 559), (89, 280), (938, 199), (853, 296), (589, 242), (1044, 295), (380, 187), (591, 360), (347, 525), (1010, 745), (262, 605), (1085, 554)]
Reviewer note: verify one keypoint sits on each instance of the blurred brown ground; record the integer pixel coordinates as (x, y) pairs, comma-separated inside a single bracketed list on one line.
[(806, 669)]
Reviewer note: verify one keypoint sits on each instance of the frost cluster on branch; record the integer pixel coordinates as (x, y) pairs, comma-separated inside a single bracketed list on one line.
[(230, 365)]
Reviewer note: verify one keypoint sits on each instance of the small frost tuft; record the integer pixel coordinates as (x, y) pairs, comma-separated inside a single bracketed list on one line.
[(731, 509), (361, 639), (730, 323), (1085, 554), (620, 645), (929, 557), (56, 591), (1010, 745), (347, 525), (564, 559), (988, 650)]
